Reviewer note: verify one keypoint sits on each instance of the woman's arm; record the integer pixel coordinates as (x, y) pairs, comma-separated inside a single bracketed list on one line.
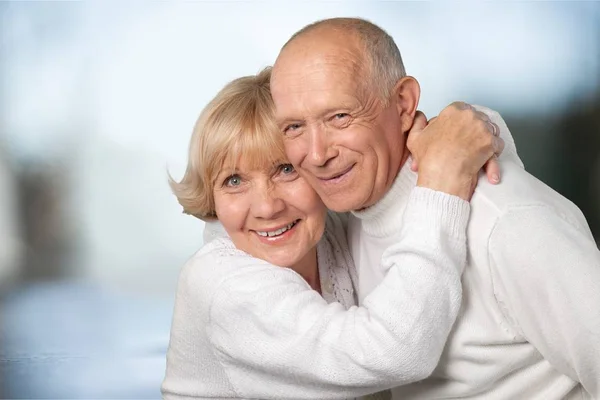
[(277, 338)]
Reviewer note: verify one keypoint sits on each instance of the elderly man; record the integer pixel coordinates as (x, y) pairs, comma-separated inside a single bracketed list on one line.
[(529, 327)]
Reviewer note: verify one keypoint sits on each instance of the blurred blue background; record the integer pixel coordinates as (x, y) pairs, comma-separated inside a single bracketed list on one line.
[(98, 100)]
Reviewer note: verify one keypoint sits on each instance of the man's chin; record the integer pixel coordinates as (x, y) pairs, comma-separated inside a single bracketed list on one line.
[(342, 203), (341, 196)]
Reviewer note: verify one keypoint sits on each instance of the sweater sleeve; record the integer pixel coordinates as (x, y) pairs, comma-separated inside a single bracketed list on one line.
[(277, 338), (546, 270)]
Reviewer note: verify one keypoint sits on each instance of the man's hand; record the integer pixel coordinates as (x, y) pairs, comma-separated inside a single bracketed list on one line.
[(452, 148)]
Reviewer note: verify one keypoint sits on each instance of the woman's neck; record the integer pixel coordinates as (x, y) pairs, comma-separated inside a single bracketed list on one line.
[(308, 268)]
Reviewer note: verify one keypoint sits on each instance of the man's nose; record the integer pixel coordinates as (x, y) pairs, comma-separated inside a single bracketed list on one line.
[(319, 149)]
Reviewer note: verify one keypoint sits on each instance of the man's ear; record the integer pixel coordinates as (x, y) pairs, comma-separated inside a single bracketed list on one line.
[(407, 92)]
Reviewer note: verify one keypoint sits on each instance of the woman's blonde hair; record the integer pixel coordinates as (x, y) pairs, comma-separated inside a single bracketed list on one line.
[(238, 124)]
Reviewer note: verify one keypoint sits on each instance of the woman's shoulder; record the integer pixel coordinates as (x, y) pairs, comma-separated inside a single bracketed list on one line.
[(217, 259), (220, 261), (217, 249)]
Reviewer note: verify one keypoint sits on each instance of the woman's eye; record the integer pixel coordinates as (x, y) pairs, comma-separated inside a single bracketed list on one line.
[(233, 181), (287, 172), (287, 169)]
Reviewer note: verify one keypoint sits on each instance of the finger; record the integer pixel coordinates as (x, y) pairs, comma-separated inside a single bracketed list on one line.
[(482, 116), (492, 128), (496, 129), (492, 170), (420, 121), (497, 145), (461, 105)]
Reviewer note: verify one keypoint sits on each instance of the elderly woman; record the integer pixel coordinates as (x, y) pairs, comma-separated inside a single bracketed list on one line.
[(269, 311)]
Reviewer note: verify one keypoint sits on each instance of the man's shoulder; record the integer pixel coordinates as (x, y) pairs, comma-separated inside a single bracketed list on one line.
[(518, 192), (518, 188), (510, 149)]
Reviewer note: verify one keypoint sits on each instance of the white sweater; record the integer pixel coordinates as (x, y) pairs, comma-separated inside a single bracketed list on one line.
[(243, 328), (529, 327)]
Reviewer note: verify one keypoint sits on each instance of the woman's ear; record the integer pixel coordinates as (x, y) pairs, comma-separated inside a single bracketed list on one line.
[(407, 92)]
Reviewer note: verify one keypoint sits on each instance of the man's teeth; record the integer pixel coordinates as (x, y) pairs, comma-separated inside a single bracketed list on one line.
[(276, 232)]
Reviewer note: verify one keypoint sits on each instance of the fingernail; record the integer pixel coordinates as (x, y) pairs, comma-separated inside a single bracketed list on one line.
[(495, 178)]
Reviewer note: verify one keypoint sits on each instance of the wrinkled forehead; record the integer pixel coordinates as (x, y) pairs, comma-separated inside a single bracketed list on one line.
[(311, 83), (315, 93), (293, 69)]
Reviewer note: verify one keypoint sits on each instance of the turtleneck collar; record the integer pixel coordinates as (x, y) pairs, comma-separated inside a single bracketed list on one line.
[(384, 217)]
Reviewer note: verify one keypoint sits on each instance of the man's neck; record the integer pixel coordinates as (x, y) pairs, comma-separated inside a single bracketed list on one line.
[(385, 215), (390, 180)]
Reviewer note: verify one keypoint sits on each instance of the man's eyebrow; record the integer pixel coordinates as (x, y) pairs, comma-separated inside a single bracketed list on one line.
[(347, 106), (336, 110)]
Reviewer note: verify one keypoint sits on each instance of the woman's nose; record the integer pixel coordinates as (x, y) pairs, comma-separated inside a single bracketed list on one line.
[(267, 203)]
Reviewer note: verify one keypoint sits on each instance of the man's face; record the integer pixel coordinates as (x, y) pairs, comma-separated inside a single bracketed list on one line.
[(339, 136)]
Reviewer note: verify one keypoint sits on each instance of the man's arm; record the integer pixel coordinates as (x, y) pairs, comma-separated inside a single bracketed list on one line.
[(547, 272)]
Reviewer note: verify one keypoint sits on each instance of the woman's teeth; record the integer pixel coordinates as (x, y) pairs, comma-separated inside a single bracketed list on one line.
[(276, 232)]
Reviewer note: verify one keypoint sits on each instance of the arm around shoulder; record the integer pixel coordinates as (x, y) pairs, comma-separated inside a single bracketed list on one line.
[(277, 337)]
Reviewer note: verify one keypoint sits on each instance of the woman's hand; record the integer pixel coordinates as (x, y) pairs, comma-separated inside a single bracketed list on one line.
[(451, 149)]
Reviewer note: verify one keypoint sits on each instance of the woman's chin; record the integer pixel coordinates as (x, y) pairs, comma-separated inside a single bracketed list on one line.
[(282, 261)]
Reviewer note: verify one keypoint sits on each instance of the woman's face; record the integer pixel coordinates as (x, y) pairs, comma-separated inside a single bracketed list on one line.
[(271, 213)]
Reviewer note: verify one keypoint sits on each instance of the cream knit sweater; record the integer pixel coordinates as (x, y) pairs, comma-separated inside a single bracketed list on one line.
[(243, 328), (529, 326)]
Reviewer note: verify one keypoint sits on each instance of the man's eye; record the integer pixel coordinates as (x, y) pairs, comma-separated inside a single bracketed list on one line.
[(233, 181), (340, 115), (291, 127)]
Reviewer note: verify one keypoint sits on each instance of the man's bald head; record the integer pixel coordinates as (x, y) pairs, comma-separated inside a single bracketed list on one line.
[(344, 106), (375, 52)]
